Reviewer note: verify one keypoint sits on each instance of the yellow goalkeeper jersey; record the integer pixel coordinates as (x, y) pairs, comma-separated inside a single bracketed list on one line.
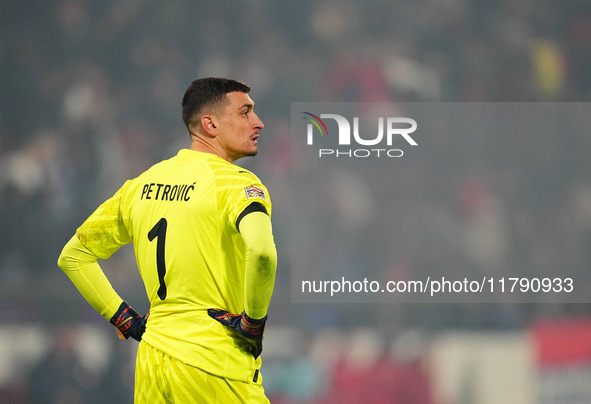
[(181, 216)]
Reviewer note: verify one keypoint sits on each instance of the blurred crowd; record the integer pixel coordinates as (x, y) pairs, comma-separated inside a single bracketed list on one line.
[(91, 96)]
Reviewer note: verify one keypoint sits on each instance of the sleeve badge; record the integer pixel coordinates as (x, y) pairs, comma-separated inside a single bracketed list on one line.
[(255, 192)]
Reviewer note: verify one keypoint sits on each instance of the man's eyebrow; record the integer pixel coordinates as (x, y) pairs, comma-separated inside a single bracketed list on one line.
[(247, 106)]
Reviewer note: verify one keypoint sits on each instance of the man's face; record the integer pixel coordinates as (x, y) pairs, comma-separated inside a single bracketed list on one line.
[(239, 127)]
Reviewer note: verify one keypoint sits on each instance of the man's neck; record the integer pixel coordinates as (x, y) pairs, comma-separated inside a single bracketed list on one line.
[(212, 148)]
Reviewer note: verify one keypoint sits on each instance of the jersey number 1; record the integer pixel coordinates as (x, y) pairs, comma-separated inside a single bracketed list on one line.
[(159, 230)]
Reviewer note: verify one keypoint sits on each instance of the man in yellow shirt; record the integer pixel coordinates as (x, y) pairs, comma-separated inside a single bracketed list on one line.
[(203, 241)]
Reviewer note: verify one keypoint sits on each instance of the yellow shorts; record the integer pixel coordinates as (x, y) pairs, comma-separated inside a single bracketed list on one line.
[(160, 378)]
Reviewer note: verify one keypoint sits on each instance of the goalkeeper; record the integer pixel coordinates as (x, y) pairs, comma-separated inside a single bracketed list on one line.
[(203, 241)]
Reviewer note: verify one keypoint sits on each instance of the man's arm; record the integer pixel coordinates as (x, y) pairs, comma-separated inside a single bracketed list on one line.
[(81, 266), (261, 263)]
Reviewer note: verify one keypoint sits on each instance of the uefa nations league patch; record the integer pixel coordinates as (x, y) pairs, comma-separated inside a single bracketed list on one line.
[(255, 192)]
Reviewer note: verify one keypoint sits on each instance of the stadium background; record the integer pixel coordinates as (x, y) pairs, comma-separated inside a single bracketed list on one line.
[(90, 95)]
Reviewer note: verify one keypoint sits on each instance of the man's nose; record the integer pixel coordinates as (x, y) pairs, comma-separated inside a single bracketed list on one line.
[(258, 123)]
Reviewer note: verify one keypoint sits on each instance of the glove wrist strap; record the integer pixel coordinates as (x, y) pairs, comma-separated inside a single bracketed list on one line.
[(254, 328), (121, 316)]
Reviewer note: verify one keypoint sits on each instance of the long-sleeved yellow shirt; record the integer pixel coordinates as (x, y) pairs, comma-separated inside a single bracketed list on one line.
[(202, 237)]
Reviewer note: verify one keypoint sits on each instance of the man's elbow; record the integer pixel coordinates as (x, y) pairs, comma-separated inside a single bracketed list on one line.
[(266, 260), (73, 255), (65, 261), (61, 261)]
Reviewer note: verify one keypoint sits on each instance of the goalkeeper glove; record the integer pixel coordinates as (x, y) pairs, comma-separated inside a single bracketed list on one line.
[(129, 323), (249, 328)]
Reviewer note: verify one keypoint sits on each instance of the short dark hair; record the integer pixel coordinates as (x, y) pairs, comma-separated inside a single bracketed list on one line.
[(208, 92)]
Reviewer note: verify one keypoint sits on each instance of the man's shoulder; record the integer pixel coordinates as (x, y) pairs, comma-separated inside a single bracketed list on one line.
[(237, 174)]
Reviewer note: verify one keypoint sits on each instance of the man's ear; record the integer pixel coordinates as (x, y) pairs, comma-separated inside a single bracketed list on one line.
[(209, 124)]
